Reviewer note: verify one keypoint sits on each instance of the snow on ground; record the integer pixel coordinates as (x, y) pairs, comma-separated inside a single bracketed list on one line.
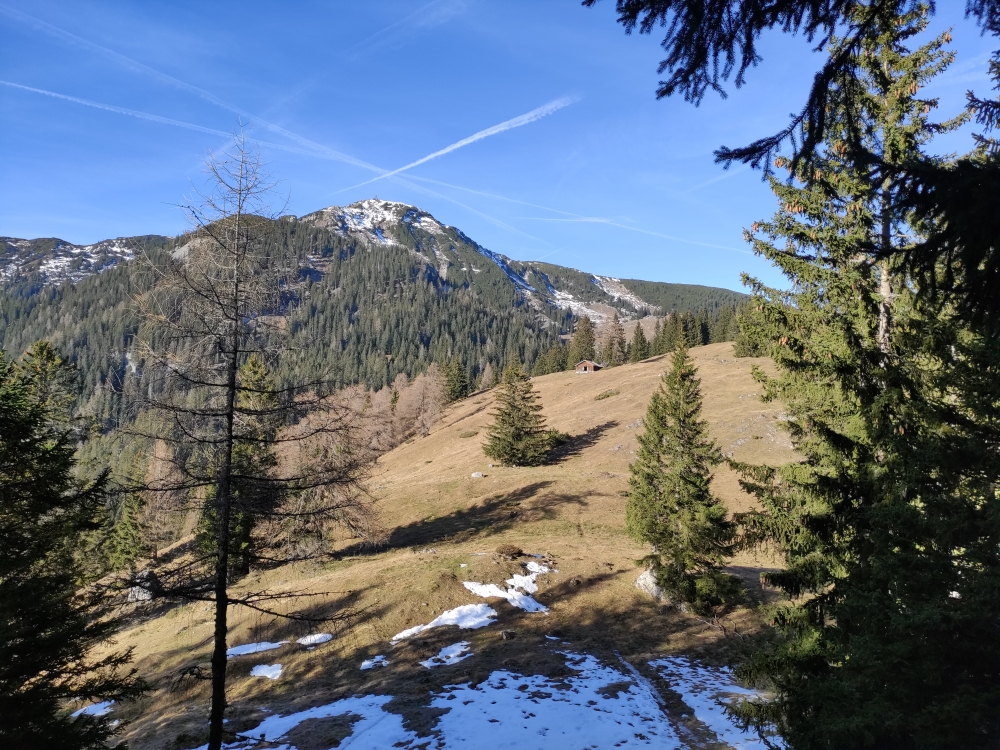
[(515, 597), (577, 307), (314, 639), (467, 617), (376, 729), (616, 289), (98, 709), (449, 655), (271, 671), (253, 648), (707, 690), (599, 707), (375, 661), (524, 582), (527, 583)]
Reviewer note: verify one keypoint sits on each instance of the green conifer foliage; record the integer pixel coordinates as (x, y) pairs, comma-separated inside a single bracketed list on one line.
[(616, 348), (582, 345), (456, 380), (556, 357), (47, 627), (657, 341), (254, 496), (517, 436), (670, 505), (888, 528), (125, 541), (639, 348)]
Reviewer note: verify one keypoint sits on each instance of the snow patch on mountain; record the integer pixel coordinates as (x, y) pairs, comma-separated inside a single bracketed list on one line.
[(614, 288), (59, 261), (578, 307), (368, 219)]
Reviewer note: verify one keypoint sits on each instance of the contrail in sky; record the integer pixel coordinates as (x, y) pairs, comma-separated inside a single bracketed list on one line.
[(598, 220), (309, 147), (580, 217), (436, 17), (137, 66), (516, 122), (166, 120), (119, 110), (212, 131)]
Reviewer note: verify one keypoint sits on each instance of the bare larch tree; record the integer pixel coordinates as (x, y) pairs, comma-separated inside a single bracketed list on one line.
[(267, 467)]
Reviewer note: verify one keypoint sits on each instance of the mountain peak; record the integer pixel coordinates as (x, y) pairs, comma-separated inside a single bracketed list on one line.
[(372, 218)]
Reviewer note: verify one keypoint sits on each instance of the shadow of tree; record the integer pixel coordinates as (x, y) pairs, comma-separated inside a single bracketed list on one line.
[(493, 515), (578, 443)]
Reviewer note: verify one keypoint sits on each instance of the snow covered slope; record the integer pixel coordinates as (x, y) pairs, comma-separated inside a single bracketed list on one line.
[(49, 261)]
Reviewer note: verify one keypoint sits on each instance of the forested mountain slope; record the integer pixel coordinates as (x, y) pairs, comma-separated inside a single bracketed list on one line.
[(372, 290)]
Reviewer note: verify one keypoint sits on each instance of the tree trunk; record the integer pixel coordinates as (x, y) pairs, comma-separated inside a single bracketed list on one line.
[(222, 561)]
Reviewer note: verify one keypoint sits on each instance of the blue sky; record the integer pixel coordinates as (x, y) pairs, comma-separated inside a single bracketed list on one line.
[(602, 177)]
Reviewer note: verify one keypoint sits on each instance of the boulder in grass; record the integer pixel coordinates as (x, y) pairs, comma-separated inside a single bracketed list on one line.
[(145, 586), (648, 584)]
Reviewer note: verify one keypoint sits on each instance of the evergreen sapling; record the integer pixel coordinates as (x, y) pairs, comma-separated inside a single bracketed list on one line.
[(670, 505), (517, 436)]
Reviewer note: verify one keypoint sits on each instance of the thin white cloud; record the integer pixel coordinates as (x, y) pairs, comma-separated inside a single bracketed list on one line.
[(579, 218), (139, 67), (309, 147), (165, 120), (598, 220), (516, 122), (425, 17), (724, 176), (119, 110)]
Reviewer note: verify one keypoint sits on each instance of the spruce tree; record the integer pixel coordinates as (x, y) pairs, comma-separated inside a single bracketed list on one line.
[(556, 357), (615, 349), (655, 346), (639, 348), (582, 345), (517, 436), (125, 541), (670, 505), (456, 380), (49, 626), (888, 527)]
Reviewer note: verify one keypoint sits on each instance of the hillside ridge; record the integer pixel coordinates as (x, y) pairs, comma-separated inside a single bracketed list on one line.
[(42, 262)]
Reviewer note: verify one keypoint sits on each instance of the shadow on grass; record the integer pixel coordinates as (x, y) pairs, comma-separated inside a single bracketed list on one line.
[(494, 514), (578, 443)]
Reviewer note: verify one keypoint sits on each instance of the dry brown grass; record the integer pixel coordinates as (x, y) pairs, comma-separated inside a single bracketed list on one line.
[(439, 518)]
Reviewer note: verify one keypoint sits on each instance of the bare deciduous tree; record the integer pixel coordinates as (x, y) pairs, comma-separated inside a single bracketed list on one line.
[(269, 468)]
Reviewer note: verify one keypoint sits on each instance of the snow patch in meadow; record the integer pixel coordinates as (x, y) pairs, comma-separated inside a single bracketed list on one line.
[(377, 728), (515, 597), (98, 709), (253, 648), (467, 617), (375, 661), (314, 639), (449, 655), (271, 671), (599, 707), (707, 690), (526, 584)]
